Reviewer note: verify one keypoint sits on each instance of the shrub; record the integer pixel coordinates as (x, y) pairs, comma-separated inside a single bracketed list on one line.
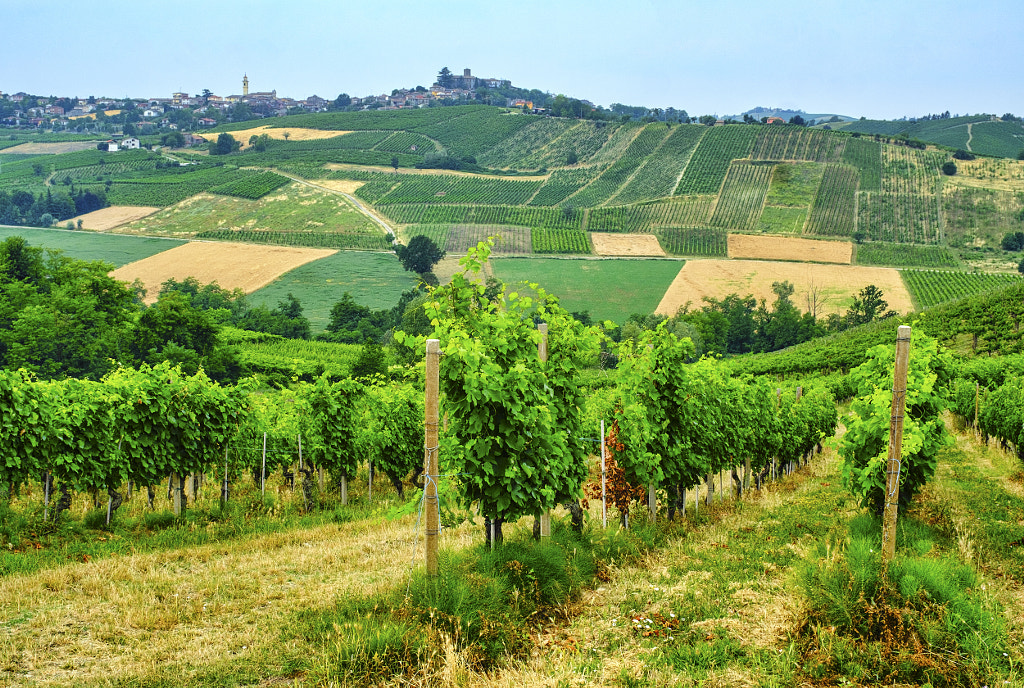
[(949, 168)]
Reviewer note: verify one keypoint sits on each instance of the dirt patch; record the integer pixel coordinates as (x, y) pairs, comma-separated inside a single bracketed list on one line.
[(789, 248), (834, 285), (342, 185), (114, 216), (50, 148), (626, 244), (243, 266), (293, 134)]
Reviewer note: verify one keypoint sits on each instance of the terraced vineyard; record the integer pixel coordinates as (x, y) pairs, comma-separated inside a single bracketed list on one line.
[(606, 185), (658, 176), (931, 287), (564, 183)]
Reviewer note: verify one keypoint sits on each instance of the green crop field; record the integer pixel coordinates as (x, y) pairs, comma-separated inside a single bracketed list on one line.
[(608, 289), (970, 214), (682, 211), (376, 280), (689, 241), (906, 218), (834, 212), (709, 163), (111, 248)]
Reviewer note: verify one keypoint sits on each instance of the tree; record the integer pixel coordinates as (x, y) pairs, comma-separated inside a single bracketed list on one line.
[(949, 168), (867, 305), (1020, 267), (226, 143), (445, 78), (420, 255), (797, 120), (1020, 155), (571, 158), (963, 155), (342, 101), (394, 162)]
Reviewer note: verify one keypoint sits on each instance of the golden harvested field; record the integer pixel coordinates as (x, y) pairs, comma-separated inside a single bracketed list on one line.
[(114, 216), (789, 248), (626, 244), (243, 266), (50, 148), (835, 285), (988, 173), (294, 134)]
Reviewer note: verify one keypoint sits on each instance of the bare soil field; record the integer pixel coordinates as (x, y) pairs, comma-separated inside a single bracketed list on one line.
[(606, 244), (789, 248), (834, 285), (50, 148), (114, 216), (294, 134), (342, 185), (244, 266)]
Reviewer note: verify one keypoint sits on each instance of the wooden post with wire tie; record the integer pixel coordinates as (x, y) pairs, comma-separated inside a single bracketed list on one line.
[(432, 514), (542, 354), (892, 466)]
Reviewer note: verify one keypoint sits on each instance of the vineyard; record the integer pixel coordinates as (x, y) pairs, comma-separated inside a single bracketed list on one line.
[(437, 233), (584, 139), (338, 240), (543, 218), (527, 144), (714, 154), (904, 218), (455, 190), (712, 243), (605, 186), (560, 241), (252, 186), (688, 211), (931, 287), (782, 142), (972, 213), (658, 176), (564, 183), (866, 156), (834, 212), (909, 171), (905, 255), (742, 197)]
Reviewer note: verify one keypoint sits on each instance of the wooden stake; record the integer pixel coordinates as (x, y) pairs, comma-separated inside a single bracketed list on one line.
[(369, 482), (176, 493), (604, 480), (977, 399), (225, 490), (542, 355), (263, 471), (652, 501), (46, 495), (892, 467), (432, 510)]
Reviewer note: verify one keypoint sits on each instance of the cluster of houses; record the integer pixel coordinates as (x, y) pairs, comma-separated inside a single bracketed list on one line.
[(267, 103)]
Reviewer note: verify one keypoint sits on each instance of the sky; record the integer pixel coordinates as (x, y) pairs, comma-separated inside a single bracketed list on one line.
[(881, 60)]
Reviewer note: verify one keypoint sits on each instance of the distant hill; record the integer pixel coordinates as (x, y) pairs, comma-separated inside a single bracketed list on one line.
[(787, 114), (982, 134)]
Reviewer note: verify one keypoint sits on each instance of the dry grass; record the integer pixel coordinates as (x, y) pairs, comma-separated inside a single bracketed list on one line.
[(201, 606), (114, 216), (835, 285), (233, 266), (789, 248), (50, 148), (293, 134), (988, 173), (626, 244)]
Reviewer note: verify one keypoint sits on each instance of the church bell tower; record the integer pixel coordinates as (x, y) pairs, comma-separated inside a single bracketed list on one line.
[(245, 85)]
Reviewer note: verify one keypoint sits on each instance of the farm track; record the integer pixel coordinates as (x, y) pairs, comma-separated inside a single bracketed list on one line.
[(352, 199)]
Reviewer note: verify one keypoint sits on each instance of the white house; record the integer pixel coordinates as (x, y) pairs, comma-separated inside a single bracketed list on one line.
[(129, 143), (111, 146)]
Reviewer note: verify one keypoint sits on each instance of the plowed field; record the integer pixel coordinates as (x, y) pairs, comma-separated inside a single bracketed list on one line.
[(789, 248)]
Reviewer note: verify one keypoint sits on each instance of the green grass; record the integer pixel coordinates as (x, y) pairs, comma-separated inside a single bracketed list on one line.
[(609, 289), (774, 219), (294, 208), (376, 280), (112, 248)]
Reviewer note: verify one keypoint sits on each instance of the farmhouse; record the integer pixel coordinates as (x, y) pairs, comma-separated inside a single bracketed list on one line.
[(129, 143), (775, 120)]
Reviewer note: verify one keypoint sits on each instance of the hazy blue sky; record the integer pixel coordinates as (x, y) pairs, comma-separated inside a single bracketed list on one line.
[(871, 58)]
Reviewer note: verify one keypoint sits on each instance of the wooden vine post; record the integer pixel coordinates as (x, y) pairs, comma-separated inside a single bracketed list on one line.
[(604, 482), (542, 354), (892, 466), (430, 421)]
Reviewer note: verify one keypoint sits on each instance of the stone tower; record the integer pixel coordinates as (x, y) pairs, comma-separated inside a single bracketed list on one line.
[(245, 85)]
